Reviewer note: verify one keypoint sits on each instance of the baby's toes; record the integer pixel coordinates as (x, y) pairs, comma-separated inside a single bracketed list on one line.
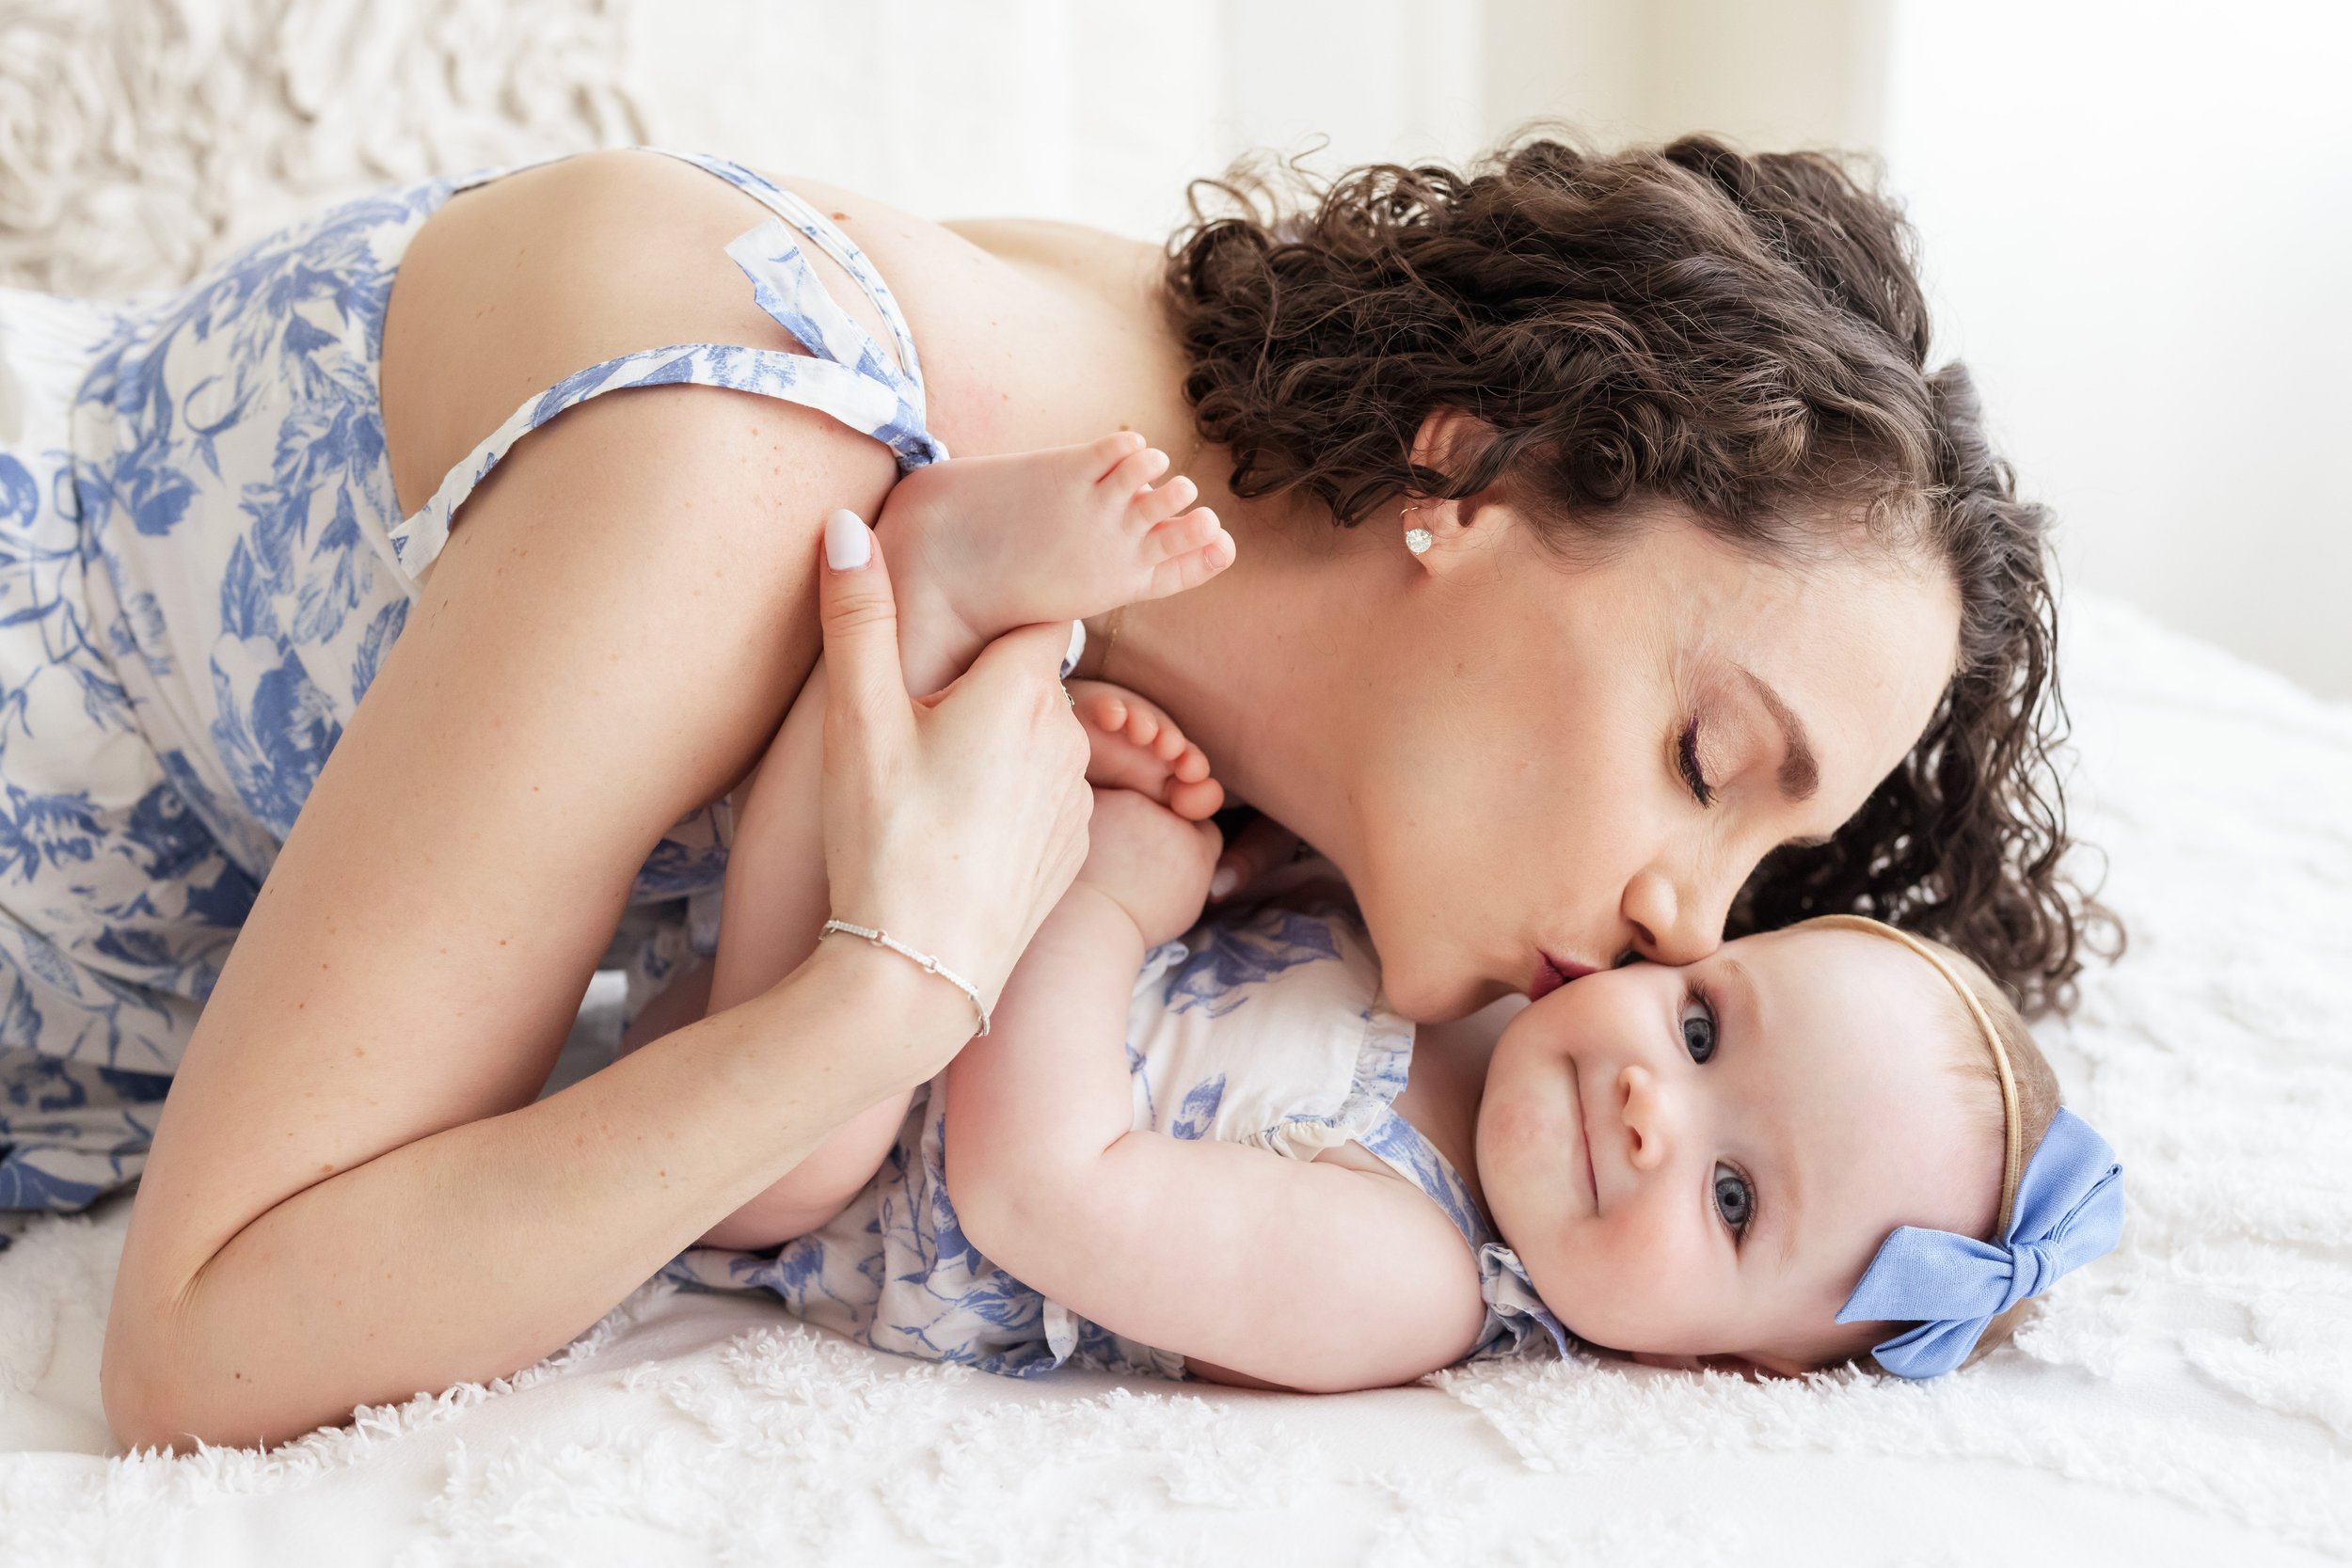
[(1104, 457), (1103, 710), (1168, 744), (1190, 763), (1195, 799), (1191, 531), (1126, 484), (1113, 763), (1190, 565), (1157, 506)]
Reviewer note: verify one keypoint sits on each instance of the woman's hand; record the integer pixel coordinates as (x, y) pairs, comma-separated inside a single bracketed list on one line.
[(954, 822)]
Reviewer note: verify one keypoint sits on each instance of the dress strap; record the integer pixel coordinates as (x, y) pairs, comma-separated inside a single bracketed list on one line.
[(845, 375), (828, 237)]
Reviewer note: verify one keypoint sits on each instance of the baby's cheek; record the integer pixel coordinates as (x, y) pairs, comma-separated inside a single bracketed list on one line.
[(1507, 1120), (1663, 1283)]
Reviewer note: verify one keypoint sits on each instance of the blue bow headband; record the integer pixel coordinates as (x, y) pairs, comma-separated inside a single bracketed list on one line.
[(2069, 1210), (2063, 1209)]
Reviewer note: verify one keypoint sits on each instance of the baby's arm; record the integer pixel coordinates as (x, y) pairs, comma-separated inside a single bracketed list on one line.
[(1308, 1275)]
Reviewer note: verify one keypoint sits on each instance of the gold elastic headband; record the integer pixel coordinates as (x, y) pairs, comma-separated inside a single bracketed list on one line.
[(2012, 1165)]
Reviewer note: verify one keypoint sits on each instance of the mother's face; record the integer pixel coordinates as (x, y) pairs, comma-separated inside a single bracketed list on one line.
[(1577, 761)]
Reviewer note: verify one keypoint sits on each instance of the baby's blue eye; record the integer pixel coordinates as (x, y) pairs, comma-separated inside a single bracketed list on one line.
[(1698, 1028), (1734, 1198)]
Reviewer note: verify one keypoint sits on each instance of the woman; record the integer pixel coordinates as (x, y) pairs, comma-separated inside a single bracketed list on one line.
[(1673, 559)]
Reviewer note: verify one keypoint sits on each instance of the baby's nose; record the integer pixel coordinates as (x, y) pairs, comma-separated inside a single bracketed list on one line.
[(1642, 1103)]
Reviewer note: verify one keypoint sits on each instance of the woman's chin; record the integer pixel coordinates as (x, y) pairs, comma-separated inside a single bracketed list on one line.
[(1438, 998)]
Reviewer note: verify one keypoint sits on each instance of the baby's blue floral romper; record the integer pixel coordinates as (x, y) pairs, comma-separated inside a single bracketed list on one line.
[(1261, 1027), (201, 566)]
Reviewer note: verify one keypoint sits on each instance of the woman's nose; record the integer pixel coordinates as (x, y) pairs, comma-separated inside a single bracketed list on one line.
[(1673, 925), (1642, 1102)]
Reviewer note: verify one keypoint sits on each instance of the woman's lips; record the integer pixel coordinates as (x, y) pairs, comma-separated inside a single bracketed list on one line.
[(1552, 973)]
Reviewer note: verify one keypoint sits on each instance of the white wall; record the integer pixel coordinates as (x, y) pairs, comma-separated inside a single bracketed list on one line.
[(2138, 217), (2138, 232), (2135, 219), (1096, 111)]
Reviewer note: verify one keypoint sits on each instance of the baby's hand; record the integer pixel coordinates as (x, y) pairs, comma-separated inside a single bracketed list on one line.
[(1150, 862)]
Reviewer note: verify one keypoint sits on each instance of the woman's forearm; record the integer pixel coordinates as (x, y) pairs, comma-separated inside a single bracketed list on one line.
[(407, 1274), (776, 899)]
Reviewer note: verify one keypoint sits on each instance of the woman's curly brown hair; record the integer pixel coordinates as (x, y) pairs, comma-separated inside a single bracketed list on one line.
[(1743, 335)]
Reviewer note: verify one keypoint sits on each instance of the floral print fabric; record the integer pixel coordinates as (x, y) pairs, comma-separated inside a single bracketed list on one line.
[(1263, 1027), (202, 566)]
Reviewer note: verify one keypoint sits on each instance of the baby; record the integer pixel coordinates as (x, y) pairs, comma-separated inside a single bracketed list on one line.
[(1277, 1182)]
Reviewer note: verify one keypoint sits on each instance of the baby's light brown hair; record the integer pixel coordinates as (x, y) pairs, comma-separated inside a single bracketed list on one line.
[(2030, 1070), (1970, 1058)]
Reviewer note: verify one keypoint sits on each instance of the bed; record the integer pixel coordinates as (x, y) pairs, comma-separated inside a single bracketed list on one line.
[(2188, 1401)]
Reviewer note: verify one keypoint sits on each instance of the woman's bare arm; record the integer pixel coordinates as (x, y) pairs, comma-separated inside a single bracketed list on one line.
[(351, 1198)]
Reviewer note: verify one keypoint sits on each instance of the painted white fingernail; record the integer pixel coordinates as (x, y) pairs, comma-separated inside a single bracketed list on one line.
[(1225, 882), (1077, 646), (849, 543)]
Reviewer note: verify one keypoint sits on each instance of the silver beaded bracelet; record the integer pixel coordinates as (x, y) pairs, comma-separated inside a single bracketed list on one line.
[(929, 964)]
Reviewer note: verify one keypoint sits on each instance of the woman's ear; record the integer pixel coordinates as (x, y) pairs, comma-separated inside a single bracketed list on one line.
[(1439, 533), (1447, 438)]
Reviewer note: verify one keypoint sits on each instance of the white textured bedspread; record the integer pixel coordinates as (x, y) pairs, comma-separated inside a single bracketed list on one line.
[(2189, 1401)]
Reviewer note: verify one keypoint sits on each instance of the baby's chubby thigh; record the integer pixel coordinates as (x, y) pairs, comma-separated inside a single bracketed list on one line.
[(818, 1190)]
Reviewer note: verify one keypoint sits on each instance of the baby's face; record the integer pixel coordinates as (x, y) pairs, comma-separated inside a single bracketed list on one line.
[(1702, 1160)]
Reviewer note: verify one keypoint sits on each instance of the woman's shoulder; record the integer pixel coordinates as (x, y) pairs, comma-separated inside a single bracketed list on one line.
[(1112, 268), (518, 281)]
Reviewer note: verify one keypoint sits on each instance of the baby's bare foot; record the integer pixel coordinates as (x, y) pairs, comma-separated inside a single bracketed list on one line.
[(1137, 746), (994, 543)]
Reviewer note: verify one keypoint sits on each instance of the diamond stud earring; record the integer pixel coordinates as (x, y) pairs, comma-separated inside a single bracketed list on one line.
[(1418, 540)]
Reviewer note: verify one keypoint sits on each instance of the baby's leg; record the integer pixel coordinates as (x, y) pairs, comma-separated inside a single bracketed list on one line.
[(979, 545)]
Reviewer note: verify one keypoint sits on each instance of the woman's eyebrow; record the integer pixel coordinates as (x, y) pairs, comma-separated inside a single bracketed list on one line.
[(1799, 775)]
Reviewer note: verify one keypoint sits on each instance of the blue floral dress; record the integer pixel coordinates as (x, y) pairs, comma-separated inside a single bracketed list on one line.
[(1263, 1027), (201, 566)]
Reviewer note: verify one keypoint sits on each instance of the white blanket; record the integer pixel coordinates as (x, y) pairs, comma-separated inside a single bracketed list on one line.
[(2189, 1400)]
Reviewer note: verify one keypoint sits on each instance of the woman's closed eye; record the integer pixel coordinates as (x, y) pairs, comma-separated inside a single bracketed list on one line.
[(1687, 761)]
